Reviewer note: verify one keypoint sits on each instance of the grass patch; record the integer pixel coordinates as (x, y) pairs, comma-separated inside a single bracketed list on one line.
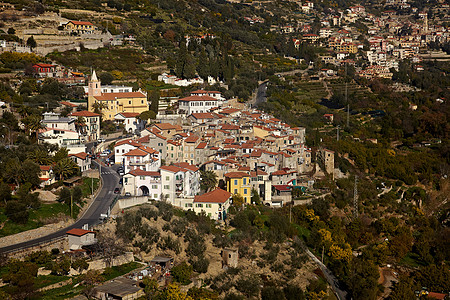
[(46, 280), (303, 232), (65, 292), (412, 260), (86, 186), (114, 272)]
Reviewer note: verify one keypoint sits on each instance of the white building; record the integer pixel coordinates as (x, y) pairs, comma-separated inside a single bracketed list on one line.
[(82, 160), (196, 104), (106, 89), (130, 121), (123, 147), (54, 120), (144, 158), (178, 181), (143, 183), (63, 138), (90, 130), (214, 204)]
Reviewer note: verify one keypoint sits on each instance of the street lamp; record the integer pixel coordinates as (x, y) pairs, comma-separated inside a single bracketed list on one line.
[(9, 129)]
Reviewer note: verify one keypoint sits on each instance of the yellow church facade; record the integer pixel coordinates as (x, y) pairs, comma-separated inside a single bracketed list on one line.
[(114, 103)]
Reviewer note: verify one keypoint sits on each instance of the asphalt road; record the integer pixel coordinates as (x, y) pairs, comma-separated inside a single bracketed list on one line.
[(261, 93), (91, 216)]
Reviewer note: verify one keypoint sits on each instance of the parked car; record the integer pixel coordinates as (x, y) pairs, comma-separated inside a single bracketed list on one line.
[(100, 140), (128, 194), (117, 191), (121, 181)]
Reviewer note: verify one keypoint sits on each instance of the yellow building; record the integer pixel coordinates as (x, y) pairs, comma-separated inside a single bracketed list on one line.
[(239, 183), (113, 103), (80, 27)]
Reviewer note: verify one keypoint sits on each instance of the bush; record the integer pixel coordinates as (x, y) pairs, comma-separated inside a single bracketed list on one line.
[(201, 265), (182, 273)]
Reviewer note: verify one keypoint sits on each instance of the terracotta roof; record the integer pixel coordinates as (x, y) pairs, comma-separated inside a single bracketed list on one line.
[(171, 169), (114, 96), (201, 145), (280, 172), (81, 23), (45, 168), (282, 187), (79, 231), (203, 115), (81, 155), (167, 126), (129, 114), (139, 172), (186, 166), (129, 142), (44, 65), (227, 111), (68, 104), (236, 175), (191, 139), (229, 127), (256, 173), (84, 113), (247, 169), (148, 149), (136, 152), (216, 196)]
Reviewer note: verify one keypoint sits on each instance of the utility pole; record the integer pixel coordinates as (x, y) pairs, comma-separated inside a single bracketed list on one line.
[(71, 204), (337, 137), (355, 198)]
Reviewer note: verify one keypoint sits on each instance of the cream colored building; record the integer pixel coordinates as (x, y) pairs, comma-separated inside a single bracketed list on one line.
[(114, 103)]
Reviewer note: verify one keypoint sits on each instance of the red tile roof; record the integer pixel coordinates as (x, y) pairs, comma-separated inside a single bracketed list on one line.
[(68, 104), (186, 166), (171, 169), (236, 175), (114, 96), (129, 114), (282, 187), (216, 196), (139, 172), (129, 142), (81, 23), (84, 113), (191, 139), (136, 152), (81, 155), (79, 231), (45, 168), (201, 145)]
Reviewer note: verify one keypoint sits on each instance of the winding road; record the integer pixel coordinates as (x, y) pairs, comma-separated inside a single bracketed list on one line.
[(99, 206)]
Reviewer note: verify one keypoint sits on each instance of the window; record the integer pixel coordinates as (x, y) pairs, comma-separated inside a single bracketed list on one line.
[(208, 205), (209, 215), (167, 178), (125, 180), (235, 182), (142, 177), (166, 187), (245, 180), (129, 102), (245, 191), (154, 186), (188, 205), (155, 196), (235, 191), (199, 205), (260, 178)]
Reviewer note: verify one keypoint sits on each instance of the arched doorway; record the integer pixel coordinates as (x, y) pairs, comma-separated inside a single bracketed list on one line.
[(143, 191)]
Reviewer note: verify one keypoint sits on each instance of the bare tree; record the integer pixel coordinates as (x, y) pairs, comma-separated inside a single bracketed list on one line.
[(109, 246)]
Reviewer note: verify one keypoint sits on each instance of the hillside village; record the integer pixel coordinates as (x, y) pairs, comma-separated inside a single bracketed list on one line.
[(224, 149)]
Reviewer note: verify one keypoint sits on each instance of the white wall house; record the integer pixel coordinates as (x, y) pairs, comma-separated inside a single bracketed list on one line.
[(130, 121), (91, 129), (144, 158), (63, 138), (54, 120), (82, 160), (180, 181), (196, 104), (139, 183), (214, 204), (123, 147)]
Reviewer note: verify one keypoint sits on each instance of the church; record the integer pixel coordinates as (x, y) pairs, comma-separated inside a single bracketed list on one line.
[(116, 102)]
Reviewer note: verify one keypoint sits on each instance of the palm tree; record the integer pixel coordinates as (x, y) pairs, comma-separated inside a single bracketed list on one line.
[(80, 124), (39, 156), (65, 168), (99, 106), (208, 180), (33, 124)]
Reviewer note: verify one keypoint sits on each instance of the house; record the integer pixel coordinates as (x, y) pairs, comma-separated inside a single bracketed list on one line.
[(214, 204), (143, 183), (155, 141), (144, 158), (82, 160), (281, 194), (87, 124), (80, 27), (284, 176), (180, 180), (214, 94), (78, 238), (130, 121), (46, 175), (196, 104), (119, 288), (165, 129), (122, 147), (230, 258), (239, 183), (113, 103), (63, 138), (54, 120), (45, 70)]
